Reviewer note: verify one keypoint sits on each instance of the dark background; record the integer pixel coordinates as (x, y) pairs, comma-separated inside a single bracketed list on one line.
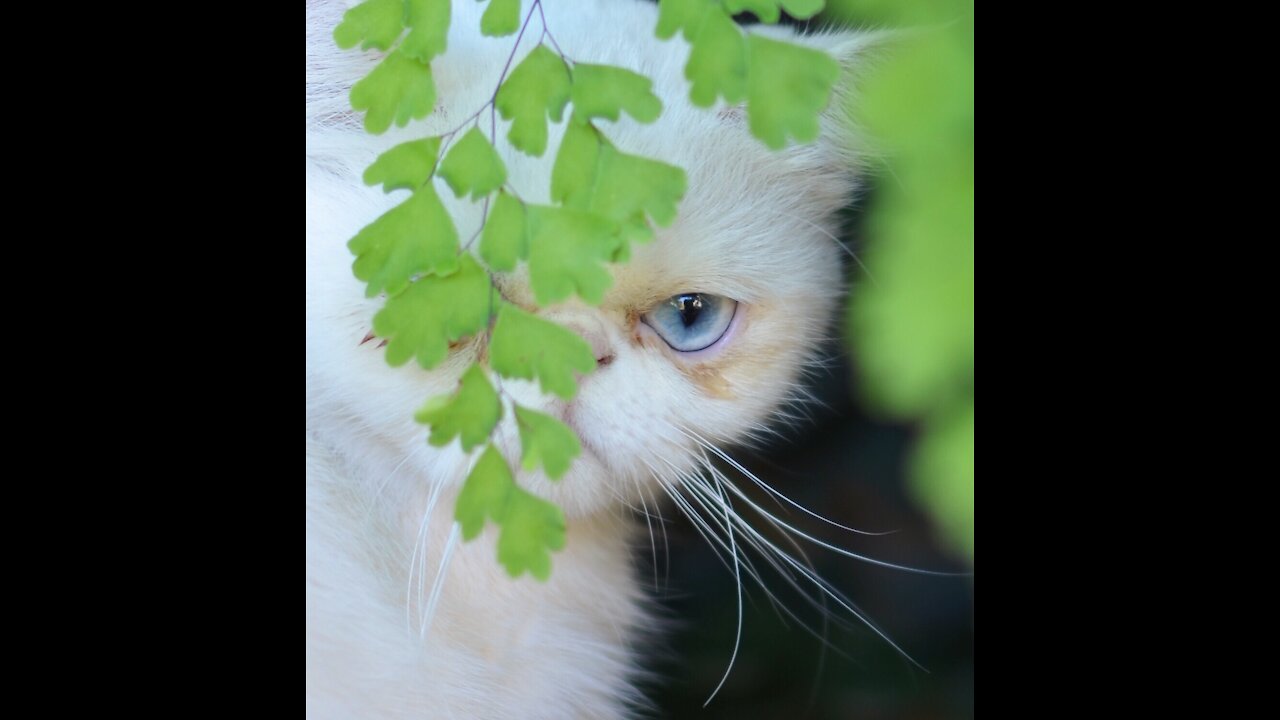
[(850, 467)]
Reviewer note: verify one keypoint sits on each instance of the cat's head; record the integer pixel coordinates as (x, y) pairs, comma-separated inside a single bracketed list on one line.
[(702, 338)]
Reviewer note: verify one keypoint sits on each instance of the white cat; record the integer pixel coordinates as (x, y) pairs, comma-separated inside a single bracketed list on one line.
[(404, 620)]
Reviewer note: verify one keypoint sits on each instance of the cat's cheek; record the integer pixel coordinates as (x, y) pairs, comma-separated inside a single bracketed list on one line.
[(711, 382), (703, 368)]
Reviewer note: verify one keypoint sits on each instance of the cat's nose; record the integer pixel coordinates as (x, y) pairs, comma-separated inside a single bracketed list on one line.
[(599, 342), (589, 328)]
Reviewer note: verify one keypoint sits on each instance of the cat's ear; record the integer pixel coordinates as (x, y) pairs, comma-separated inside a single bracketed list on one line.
[(831, 166)]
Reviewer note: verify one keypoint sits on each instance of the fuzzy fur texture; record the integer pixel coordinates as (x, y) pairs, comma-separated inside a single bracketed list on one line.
[(404, 620)]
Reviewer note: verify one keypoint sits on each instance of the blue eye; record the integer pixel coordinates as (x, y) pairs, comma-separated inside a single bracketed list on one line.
[(691, 321)]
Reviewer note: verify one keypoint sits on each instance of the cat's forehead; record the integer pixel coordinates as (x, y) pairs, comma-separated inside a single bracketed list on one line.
[(750, 226), (753, 225), (749, 253)]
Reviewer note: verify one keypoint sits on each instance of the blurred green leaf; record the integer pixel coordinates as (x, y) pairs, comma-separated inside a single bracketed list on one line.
[(371, 24), (485, 493), (505, 239), (546, 441), (943, 474), (629, 188), (604, 91), (919, 101), (717, 64), (473, 166), (590, 174), (531, 529), (537, 89), (428, 22), (574, 172), (682, 15), (528, 347), (787, 87), (568, 252), (469, 414), (415, 237), (502, 17), (399, 89), (434, 311), (915, 323), (406, 166), (912, 324)]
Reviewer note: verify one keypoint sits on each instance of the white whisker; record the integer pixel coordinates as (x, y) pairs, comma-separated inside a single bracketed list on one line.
[(698, 490), (666, 544), (737, 576), (417, 561), (696, 487), (699, 523), (373, 501), (835, 548), (689, 482), (437, 585), (653, 546), (764, 486), (829, 590), (782, 562)]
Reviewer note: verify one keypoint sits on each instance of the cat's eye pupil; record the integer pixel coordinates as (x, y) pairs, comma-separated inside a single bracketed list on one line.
[(690, 306)]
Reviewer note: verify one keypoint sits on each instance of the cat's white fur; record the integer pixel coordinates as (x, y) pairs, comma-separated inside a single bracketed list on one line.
[(403, 620)]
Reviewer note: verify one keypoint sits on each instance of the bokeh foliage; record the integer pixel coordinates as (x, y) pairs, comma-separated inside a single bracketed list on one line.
[(911, 323)]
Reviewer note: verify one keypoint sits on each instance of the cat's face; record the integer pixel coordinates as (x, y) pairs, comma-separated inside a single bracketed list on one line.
[(704, 333)]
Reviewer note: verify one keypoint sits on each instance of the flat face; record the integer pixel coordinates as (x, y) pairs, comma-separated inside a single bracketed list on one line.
[(751, 252)]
